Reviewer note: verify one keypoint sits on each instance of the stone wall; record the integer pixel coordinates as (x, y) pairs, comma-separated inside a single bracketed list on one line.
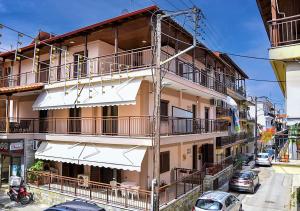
[(220, 179), (185, 202), (51, 198)]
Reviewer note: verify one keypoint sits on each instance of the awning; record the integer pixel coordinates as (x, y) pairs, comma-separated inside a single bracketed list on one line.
[(125, 157), (89, 95), (109, 156), (62, 152), (231, 102)]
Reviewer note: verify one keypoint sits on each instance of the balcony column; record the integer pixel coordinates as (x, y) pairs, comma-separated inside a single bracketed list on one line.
[(273, 30), (85, 54), (58, 73), (19, 72), (116, 32), (7, 113), (176, 51), (3, 73)]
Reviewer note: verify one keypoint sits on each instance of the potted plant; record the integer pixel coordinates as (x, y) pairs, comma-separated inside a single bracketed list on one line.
[(37, 166)]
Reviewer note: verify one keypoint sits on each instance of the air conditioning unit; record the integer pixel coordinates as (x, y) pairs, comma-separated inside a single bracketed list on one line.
[(83, 180), (36, 144)]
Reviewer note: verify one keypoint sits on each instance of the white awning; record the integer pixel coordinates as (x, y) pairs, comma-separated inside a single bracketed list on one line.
[(231, 102), (62, 152), (109, 156), (89, 95)]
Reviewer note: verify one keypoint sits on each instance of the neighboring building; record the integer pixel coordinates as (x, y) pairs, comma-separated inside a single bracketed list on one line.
[(282, 22), (265, 113), (89, 110)]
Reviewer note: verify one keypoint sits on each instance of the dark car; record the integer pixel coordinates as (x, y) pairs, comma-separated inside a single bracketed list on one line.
[(76, 205), (244, 181)]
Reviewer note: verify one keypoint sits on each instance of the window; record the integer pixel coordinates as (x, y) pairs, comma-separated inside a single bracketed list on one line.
[(164, 111), (164, 161)]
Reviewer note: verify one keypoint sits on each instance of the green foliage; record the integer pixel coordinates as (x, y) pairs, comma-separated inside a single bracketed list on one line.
[(37, 166)]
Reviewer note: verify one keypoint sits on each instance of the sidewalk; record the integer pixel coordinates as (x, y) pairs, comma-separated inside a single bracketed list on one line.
[(295, 163)]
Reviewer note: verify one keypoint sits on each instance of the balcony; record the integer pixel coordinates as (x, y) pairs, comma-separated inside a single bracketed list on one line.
[(128, 126), (121, 63), (284, 31), (222, 112), (230, 140), (243, 114)]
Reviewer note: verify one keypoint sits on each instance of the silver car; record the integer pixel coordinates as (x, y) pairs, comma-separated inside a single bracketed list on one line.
[(263, 159), (244, 181), (217, 200)]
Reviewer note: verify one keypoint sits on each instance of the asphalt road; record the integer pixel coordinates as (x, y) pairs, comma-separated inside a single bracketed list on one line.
[(272, 194)]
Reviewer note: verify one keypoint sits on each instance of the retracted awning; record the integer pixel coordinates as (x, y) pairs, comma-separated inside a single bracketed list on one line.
[(62, 152), (231, 102), (109, 156), (89, 95), (125, 157)]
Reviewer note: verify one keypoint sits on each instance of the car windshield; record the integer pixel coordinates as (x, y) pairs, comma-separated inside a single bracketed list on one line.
[(241, 175), (208, 204), (262, 156)]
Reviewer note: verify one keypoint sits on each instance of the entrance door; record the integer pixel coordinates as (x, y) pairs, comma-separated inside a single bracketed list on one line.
[(208, 153), (206, 119), (43, 121), (108, 174), (75, 120), (95, 174), (110, 120), (72, 170), (195, 157)]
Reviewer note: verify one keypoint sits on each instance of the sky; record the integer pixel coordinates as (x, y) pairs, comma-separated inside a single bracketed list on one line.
[(233, 26)]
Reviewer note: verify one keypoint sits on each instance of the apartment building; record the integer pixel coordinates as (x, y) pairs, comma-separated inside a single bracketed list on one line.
[(87, 111), (281, 19)]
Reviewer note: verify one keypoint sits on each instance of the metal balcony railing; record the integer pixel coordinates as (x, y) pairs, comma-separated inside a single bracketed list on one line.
[(228, 140), (114, 126)]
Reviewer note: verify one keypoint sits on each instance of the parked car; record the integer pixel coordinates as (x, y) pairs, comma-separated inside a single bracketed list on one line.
[(271, 153), (244, 181), (76, 205), (217, 200), (263, 159)]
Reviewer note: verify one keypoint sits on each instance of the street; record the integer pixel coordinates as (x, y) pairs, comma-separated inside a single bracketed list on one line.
[(273, 192)]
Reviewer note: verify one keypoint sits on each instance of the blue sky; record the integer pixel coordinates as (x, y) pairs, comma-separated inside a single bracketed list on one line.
[(230, 26)]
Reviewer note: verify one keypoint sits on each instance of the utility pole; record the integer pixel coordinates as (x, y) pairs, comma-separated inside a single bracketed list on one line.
[(156, 142), (255, 132), (156, 183)]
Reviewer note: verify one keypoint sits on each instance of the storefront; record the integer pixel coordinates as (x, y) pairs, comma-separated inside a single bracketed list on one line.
[(12, 159)]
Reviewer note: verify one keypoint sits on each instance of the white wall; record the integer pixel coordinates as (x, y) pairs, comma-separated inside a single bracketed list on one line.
[(292, 90)]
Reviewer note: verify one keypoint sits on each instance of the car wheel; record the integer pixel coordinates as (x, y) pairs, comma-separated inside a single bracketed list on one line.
[(253, 190), (241, 208)]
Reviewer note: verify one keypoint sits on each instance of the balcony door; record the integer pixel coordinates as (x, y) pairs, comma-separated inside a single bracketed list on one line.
[(75, 120), (80, 66), (206, 117), (110, 120), (44, 71)]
